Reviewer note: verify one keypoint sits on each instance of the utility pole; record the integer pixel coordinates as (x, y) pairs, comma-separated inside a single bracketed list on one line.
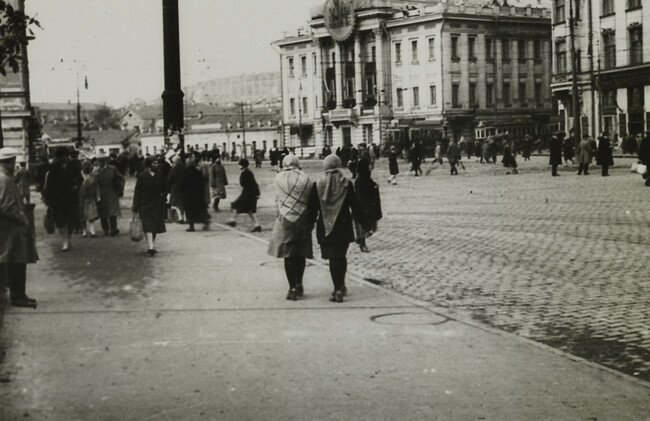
[(574, 77), (243, 127), (591, 71), (300, 117), (172, 96), (78, 112)]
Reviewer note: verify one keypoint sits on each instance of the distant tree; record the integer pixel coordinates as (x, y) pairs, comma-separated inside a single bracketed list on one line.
[(15, 34), (106, 118)]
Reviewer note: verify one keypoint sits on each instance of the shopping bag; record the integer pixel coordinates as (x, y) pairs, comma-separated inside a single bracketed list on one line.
[(48, 221), (641, 169), (136, 230)]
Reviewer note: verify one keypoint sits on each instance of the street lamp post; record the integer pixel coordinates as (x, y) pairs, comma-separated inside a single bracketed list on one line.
[(172, 95)]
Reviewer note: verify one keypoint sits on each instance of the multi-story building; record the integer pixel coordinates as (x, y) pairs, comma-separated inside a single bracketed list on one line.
[(380, 70), (612, 65), (250, 88)]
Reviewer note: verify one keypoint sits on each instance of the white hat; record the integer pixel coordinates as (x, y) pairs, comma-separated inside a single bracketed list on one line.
[(8, 153)]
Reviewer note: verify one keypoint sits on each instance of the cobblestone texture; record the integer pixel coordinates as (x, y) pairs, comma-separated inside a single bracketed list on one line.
[(560, 260)]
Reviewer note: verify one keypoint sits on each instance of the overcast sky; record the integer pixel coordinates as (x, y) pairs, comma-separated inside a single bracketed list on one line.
[(117, 44)]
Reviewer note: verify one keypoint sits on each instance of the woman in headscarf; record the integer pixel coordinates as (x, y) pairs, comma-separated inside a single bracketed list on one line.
[(247, 200), (369, 203), (195, 201), (333, 203), (175, 185), (150, 202), (291, 238)]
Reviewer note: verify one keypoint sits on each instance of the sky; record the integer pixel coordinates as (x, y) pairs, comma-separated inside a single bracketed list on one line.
[(118, 45)]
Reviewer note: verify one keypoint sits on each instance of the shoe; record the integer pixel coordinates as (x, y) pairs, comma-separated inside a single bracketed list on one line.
[(300, 291), (84, 235), (231, 224), (292, 294), (337, 297), (190, 229), (151, 252), (65, 249), (364, 249), (206, 227), (344, 291), (24, 302), (182, 221), (93, 235), (257, 229), (115, 232)]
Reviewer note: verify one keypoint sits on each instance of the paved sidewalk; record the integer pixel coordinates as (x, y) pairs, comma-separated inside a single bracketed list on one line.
[(202, 331)]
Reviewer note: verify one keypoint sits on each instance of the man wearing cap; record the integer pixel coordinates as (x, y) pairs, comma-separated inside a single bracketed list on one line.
[(16, 249)]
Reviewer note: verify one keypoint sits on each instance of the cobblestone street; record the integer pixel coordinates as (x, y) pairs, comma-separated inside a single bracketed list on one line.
[(560, 260)]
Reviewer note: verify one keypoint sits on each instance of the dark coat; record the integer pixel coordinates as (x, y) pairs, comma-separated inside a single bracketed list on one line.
[(555, 150), (393, 168), (604, 154), (175, 185), (343, 232), (193, 186), (247, 200), (149, 201), (111, 188), (368, 199), (62, 193)]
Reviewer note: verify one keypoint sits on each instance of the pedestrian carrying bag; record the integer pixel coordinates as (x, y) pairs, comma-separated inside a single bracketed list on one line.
[(641, 169), (48, 221), (136, 229)]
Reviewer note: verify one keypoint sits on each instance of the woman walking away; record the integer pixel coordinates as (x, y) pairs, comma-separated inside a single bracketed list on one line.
[(195, 201), (175, 185), (369, 204), (247, 200), (291, 238), (218, 183), (509, 160), (88, 198), (333, 203), (604, 156), (149, 202), (111, 188), (393, 168)]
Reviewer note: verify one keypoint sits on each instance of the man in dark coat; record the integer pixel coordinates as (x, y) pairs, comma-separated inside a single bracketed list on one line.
[(604, 156), (194, 199), (555, 150), (247, 200)]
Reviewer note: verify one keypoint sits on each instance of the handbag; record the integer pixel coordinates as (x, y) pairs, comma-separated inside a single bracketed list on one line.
[(48, 221), (641, 169), (136, 229)]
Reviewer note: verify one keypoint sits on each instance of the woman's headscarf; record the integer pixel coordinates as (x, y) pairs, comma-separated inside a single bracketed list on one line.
[(332, 189), (292, 189)]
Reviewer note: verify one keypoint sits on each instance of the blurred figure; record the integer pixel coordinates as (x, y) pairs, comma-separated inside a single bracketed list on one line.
[(555, 153), (218, 183), (175, 185), (194, 199), (584, 155), (393, 167), (604, 156), (23, 180), (111, 188), (247, 200), (88, 198), (369, 204)]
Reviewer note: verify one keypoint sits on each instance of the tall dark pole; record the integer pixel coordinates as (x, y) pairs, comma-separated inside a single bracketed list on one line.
[(172, 95), (78, 113), (574, 77)]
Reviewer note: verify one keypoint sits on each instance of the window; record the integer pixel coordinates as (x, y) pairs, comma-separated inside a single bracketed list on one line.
[(610, 50), (537, 49), (608, 7), (291, 69), (521, 50), (560, 54), (505, 49), (633, 4), (400, 97), (416, 96), (314, 63), (489, 49), (432, 49), (454, 48), (305, 105), (398, 52), (522, 93), (506, 93), (472, 94), (609, 99), (455, 92), (471, 48), (560, 14), (538, 92), (292, 106), (414, 51), (489, 94), (636, 45), (432, 95), (303, 65)]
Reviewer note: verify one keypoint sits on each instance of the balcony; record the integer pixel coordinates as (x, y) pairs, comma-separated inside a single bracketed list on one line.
[(340, 116)]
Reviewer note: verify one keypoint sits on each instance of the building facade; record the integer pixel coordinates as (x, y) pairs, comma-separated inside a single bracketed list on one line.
[(380, 71), (611, 56), (255, 88)]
